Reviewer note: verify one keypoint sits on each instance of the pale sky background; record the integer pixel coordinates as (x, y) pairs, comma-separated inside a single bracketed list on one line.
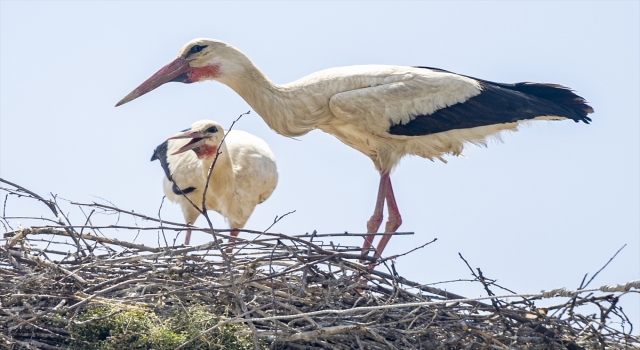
[(552, 202)]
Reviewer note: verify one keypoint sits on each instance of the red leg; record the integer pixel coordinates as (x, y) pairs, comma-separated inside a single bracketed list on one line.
[(231, 240), (187, 238), (376, 219), (393, 221)]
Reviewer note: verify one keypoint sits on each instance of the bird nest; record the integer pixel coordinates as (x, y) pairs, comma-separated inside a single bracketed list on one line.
[(59, 279)]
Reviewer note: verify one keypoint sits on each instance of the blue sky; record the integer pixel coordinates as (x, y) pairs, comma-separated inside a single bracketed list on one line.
[(538, 211)]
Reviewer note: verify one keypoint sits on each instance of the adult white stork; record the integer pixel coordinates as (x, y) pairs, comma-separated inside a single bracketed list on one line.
[(244, 175), (385, 112)]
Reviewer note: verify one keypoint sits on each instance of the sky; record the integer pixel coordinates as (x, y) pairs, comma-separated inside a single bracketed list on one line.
[(550, 203)]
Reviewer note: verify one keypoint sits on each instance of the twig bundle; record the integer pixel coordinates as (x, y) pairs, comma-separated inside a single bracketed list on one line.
[(291, 292)]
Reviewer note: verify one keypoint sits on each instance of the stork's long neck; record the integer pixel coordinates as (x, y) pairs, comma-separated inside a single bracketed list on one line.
[(221, 183), (288, 111)]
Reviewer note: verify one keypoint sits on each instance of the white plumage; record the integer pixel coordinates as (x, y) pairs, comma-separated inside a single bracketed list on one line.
[(244, 175), (385, 112)]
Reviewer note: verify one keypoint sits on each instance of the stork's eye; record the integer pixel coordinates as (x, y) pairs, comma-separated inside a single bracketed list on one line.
[(196, 49), (212, 129)]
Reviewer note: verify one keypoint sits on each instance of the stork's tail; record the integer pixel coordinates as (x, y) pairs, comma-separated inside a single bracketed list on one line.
[(557, 94)]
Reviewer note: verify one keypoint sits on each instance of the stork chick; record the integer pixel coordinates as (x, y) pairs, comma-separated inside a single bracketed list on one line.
[(244, 175)]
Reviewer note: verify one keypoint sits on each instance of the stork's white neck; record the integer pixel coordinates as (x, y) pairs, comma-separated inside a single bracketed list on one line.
[(221, 183), (288, 110)]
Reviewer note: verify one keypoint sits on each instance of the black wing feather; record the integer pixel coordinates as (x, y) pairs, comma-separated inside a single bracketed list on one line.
[(178, 191), (499, 103), (160, 153)]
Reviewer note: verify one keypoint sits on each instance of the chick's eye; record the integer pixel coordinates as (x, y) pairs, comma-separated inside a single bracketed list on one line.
[(212, 129)]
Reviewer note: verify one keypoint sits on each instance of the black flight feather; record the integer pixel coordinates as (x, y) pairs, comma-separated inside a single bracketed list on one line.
[(160, 153), (499, 103)]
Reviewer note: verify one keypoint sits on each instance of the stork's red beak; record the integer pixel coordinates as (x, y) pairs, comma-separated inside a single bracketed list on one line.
[(197, 140), (176, 70)]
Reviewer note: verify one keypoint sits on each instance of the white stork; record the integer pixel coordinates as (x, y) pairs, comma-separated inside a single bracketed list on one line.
[(244, 175), (385, 112)]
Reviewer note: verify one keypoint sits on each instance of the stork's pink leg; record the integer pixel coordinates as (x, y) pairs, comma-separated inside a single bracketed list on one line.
[(231, 240), (376, 219), (187, 238), (393, 221)]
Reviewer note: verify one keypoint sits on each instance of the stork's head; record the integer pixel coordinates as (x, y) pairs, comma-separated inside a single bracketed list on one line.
[(198, 60), (205, 135)]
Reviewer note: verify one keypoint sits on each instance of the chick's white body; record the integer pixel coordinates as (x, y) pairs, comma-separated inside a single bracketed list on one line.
[(244, 175)]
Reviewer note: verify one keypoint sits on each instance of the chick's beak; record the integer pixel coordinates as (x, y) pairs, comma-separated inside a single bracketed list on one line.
[(189, 134), (197, 140), (176, 70)]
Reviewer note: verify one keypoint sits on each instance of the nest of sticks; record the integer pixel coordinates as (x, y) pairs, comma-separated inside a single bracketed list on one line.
[(284, 292)]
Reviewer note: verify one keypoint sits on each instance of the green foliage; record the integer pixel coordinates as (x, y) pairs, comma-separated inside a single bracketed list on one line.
[(146, 329)]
